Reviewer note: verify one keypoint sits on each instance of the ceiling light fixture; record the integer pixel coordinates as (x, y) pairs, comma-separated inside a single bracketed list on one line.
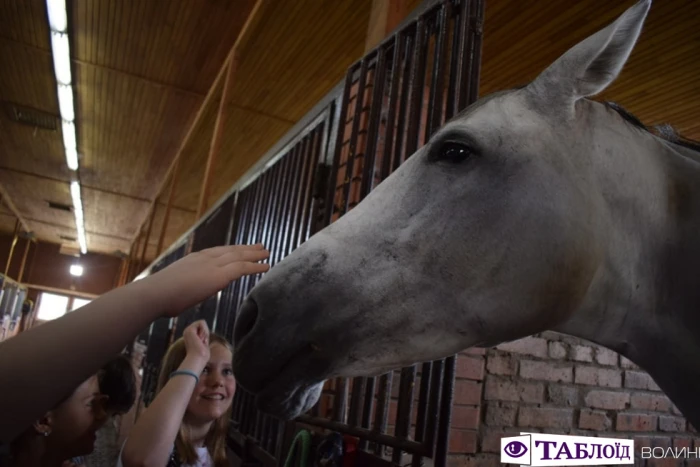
[(60, 51), (76, 270)]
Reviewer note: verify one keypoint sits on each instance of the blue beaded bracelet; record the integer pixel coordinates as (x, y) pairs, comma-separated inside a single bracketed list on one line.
[(185, 372)]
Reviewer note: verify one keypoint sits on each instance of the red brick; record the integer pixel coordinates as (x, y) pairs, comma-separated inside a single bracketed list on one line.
[(669, 423), (582, 353), (534, 346), (475, 351), (651, 442), (595, 420), (608, 400), (462, 441), (491, 440), (666, 462), (497, 415), (639, 380), (557, 350), (545, 417), (563, 395), (606, 357), (674, 410), (593, 376), (501, 365), (476, 460), (683, 443), (507, 390), (653, 402), (635, 422), (545, 371), (470, 367), (627, 363), (465, 417), (467, 392)]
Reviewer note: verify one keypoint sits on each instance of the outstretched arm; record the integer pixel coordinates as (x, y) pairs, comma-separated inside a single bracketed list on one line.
[(43, 365)]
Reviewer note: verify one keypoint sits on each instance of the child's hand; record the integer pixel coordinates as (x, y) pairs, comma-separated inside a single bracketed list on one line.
[(196, 337), (200, 275)]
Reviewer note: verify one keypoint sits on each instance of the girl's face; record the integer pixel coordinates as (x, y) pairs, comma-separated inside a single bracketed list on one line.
[(213, 394), (72, 424)]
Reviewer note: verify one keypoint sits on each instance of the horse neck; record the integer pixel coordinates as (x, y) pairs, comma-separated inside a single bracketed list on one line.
[(644, 300)]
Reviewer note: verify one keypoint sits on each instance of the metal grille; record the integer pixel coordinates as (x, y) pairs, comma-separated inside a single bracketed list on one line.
[(278, 209), (394, 99)]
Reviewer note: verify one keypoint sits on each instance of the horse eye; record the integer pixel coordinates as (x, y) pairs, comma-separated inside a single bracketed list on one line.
[(454, 153)]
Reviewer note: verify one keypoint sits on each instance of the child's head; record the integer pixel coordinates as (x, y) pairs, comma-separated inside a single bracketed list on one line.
[(211, 398), (68, 430), (117, 381)]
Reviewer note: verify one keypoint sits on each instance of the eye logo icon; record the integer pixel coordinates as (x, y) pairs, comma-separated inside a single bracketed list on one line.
[(515, 449)]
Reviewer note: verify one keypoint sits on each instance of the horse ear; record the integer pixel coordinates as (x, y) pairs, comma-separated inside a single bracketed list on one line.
[(591, 65)]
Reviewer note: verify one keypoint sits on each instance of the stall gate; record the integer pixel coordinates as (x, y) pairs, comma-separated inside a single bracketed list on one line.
[(392, 101)]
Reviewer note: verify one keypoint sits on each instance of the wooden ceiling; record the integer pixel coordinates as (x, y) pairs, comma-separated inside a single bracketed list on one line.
[(142, 69)]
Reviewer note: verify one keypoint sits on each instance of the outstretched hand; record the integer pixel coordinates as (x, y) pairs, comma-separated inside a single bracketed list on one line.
[(200, 275)]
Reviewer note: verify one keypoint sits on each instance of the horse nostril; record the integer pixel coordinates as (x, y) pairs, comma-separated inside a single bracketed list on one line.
[(247, 316)]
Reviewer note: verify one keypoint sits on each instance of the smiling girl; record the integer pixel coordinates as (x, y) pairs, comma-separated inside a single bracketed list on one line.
[(187, 422)]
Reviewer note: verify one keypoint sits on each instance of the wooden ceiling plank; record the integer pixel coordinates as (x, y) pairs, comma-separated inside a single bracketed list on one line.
[(252, 17)]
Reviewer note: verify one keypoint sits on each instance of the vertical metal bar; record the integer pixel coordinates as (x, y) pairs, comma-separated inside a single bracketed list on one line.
[(282, 193), (352, 148), (405, 90), (435, 109), (417, 85), (311, 180), (391, 108), (423, 392), (340, 400), (367, 407), (373, 126), (273, 195), (330, 202), (478, 31), (443, 435), (434, 404), (282, 236), (458, 38), (295, 208), (381, 416), (358, 388), (404, 408)]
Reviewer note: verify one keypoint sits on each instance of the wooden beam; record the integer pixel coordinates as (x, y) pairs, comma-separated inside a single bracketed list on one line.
[(215, 145), (11, 205), (148, 234), (24, 260), (12, 247), (168, 207), (61, 291), (253, 17), (384, 17)]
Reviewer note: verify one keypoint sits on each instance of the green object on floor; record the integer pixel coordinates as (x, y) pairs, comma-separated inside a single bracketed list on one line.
[(303, 438)]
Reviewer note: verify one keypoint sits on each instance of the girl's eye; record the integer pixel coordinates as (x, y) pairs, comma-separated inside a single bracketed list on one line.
[(205, 370), (228, 372)]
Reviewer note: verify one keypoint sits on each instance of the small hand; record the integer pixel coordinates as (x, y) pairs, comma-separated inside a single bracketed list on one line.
[(200, 275), (196, 337)]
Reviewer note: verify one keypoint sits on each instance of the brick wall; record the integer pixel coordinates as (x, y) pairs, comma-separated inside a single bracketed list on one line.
[(556, 384)]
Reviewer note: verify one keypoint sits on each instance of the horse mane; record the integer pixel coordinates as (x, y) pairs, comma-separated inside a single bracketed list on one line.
[(665, 131)]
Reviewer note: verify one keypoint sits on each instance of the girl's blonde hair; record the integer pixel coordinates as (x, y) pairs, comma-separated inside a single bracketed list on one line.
[(215, 440)]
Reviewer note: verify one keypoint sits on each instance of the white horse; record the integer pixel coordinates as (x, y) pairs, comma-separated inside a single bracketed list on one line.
[(534, 209)]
